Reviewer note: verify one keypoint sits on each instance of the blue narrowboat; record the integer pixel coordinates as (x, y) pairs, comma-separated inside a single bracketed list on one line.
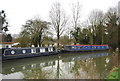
[(85, 47), (13, 53)]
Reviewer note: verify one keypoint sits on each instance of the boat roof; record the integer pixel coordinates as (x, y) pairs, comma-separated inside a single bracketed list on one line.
[(87, 45), (6, 42)]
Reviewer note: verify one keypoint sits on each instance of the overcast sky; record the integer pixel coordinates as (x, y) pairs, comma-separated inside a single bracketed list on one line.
[(18, 11)]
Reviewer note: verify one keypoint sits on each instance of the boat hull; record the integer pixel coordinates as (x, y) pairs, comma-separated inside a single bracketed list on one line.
[(27, 56), (15, 53), (84, 48)]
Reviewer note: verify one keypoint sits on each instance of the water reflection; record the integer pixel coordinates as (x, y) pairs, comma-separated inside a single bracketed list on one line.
[(63, 66)]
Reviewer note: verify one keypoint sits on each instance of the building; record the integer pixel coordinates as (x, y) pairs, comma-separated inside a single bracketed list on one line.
[(6, 44)]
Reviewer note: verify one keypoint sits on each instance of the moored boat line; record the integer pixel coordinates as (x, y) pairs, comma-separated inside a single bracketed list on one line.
[(14, 53)]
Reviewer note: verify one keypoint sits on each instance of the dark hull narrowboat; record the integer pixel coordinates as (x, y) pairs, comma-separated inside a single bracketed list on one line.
[(13, 53), (84, 48)]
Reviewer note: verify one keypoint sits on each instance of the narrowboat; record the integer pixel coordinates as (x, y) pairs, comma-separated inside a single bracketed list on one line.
[(13, 53), (85, 47)]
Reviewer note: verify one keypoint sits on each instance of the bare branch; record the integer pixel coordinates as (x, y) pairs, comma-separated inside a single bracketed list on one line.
[(76, 9), (58, 19)]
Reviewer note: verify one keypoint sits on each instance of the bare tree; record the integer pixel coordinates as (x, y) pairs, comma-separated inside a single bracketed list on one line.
[(96, 19), (58, 20), (76, 10)]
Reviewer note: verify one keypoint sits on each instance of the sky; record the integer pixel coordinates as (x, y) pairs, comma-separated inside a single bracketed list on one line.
[(19, 11)]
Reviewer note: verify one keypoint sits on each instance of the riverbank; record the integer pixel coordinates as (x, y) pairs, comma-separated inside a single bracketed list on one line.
[(114, 73)]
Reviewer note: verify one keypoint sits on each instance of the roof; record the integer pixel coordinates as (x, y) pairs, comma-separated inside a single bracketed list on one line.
[(6, 42), (87, 45)]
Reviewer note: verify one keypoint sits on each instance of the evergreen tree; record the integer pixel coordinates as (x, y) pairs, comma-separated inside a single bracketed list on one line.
[(8, 38), (3, 22), (112, 27)]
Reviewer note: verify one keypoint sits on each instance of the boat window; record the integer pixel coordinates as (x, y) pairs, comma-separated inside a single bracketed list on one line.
[(43, 49), (50, 49), (40, 50), (12, 52), (79, 47), (88, 46), (73, 47), (93, 47), (98, 46), (84, 47), (33, 50), (24, 51)]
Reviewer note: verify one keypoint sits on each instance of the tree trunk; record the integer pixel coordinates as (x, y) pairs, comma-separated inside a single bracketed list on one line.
[(58, 38)]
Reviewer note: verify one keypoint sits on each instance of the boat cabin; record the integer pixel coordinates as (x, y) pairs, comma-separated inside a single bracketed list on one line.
[(85, 47)]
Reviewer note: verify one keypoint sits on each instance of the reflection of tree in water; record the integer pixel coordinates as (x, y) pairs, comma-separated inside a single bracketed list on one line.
[(93, 68), (75, 68), (101, 66), (35, 73), (39, 73), (83, 69), (58, 69), (90, 68)]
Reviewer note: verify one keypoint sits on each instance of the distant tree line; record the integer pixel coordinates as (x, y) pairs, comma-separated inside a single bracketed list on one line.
[(100, 28), (103, 29)]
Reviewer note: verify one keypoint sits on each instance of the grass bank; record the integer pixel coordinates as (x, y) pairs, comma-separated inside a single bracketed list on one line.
[(114, 73)]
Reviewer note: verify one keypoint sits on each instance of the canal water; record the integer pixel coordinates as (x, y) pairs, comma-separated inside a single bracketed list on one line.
[(90, 65)]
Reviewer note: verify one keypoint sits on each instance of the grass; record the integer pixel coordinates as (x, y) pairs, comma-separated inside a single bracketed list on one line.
[(114, 73)]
